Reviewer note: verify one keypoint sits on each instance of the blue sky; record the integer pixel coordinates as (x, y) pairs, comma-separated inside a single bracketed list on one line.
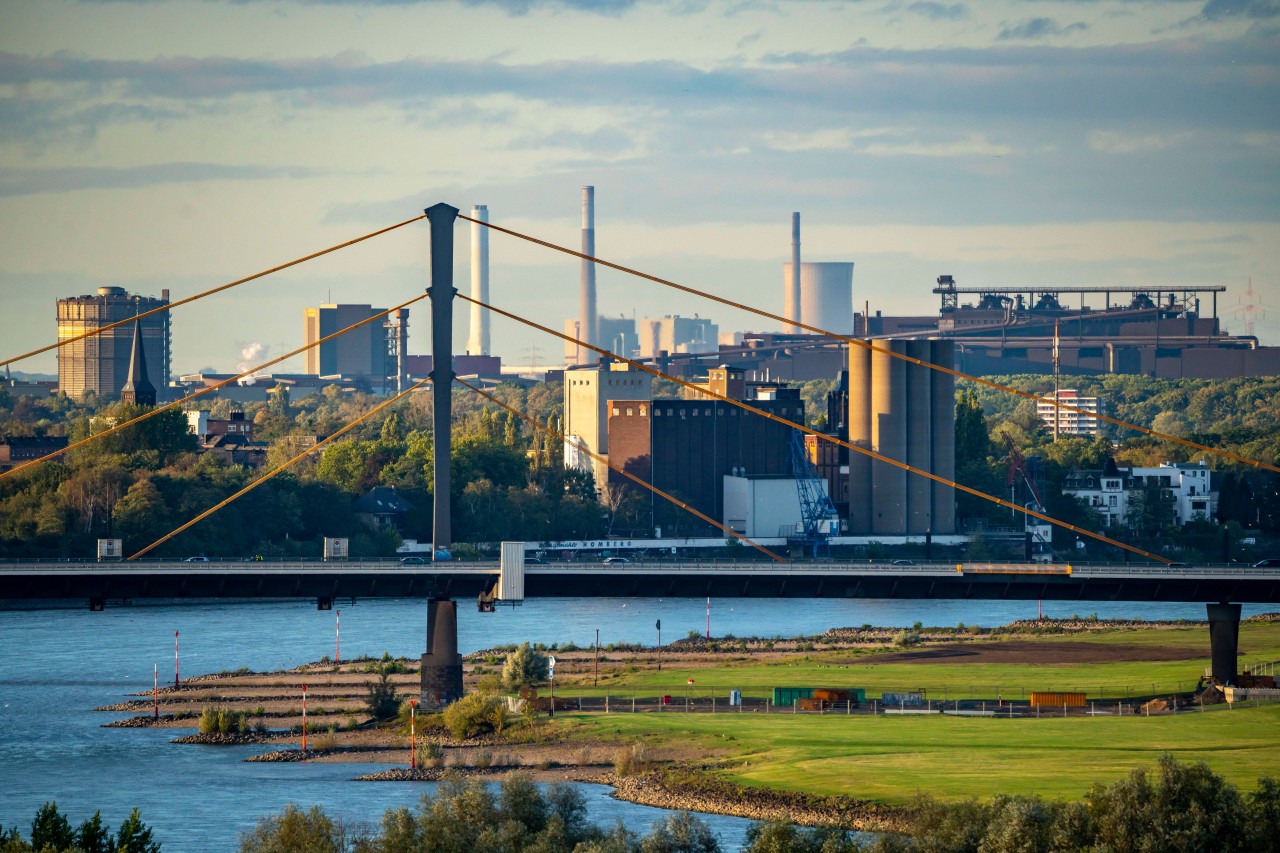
[(156, 144)]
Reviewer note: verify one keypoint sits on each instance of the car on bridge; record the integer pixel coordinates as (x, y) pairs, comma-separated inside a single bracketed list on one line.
[(412, 561), (1268, 563), (196, 560), (616, 561)]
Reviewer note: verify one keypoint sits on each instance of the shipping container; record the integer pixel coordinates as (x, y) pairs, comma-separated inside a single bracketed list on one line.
[(786, 696), (1057, 700)]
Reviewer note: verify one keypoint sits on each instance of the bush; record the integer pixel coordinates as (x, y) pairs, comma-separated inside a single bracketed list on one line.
[(906, 639), (631, 760), (524, 667), (471, 715), (482, 760), (430, 754)]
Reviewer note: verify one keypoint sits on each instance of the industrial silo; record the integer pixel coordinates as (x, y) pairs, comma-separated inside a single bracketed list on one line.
[(904, 411), (919, 437), (859, 436), (943, 401), (888, 438)]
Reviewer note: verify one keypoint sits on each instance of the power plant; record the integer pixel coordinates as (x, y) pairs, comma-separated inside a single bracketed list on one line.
[(825, 295), (587, 316), (478, 340)]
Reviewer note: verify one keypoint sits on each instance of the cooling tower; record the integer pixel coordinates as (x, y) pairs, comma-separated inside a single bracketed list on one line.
[(942, 391), (825, 295), (587, 301), (478, 340)]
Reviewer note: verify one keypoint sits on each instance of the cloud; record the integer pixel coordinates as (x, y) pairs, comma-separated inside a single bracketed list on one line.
[(1117, 142), (939, 11), (1038, 28), (16, 181), (1221, 10), (511, 7)]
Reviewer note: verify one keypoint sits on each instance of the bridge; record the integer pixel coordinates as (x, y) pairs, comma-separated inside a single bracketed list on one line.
[(513, 580), (440, 583), (99, 583)]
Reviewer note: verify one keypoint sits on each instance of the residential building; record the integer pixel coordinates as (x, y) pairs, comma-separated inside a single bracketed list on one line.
[(16, 450), (1065, 421), (1110, 491)]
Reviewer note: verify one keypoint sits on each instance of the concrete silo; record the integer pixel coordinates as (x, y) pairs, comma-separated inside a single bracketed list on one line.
[(905, 412)]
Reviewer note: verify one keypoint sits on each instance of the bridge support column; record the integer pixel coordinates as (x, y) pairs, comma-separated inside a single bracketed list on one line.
[(441, 217), (1224, 640), (441, 665)]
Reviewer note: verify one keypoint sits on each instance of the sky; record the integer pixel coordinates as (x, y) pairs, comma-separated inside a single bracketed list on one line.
[(187, 143)]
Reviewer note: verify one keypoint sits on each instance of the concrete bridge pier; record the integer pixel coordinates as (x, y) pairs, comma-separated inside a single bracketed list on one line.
[(441, 665), (1224, 641)]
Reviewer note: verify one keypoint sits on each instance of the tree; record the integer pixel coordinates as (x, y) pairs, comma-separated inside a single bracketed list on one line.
[(295, 830), (93, 836), (134, 836), (524, 667), (680, 833), (381, 699), (50, 828)]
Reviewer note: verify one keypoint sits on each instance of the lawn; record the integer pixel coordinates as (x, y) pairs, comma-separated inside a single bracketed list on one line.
[(888, 759), (756, 676)]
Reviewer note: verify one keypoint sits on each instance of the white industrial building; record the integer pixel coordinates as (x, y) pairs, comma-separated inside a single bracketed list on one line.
[(764, 507), (587, 392)]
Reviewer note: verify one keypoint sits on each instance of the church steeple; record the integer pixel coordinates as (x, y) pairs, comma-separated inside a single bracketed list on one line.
[(138, 390)]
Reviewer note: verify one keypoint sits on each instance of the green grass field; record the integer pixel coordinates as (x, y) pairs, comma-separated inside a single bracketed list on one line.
[(889, 758), (951, 680)]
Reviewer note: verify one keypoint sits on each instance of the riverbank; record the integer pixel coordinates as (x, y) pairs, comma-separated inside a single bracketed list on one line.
[(735, 764)]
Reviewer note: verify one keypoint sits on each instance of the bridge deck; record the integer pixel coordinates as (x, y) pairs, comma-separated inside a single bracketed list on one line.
[(116, 581)]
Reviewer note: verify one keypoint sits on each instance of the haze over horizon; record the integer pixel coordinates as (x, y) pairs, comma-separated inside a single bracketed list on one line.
[(185, 143)]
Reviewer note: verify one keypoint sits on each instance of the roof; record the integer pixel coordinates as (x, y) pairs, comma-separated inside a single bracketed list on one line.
[(382, 500)]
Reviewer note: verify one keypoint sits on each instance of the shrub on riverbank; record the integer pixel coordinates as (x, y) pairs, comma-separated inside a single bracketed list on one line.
[(469, 815), (217, 720), (474, 714)]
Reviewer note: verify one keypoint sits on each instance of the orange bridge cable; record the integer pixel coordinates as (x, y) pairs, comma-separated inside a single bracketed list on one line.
[(207, 390), (1226, 454), (210, 291), (281, 468), (657, 491), (832, 439)]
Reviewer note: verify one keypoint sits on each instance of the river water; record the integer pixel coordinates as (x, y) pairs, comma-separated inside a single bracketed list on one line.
[(56, 665)]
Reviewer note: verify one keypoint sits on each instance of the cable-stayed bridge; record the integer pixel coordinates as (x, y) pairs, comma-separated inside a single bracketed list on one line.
[(1156, 580)]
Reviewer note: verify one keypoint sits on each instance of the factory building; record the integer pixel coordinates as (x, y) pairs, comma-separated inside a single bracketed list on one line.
[(676, 334), (588, 391), (375, 351), (617, 335), (696, 449), (906, 413), (99, 364)]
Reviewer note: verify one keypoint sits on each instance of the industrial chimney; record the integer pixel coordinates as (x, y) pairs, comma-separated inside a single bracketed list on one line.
[(791, 302), (587, 302), (478, 340)]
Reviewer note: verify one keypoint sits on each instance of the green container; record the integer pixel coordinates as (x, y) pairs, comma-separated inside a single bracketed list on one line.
[(786, 696)]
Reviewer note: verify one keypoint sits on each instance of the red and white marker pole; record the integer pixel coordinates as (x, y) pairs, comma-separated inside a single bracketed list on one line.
[(155, 687), (413, 719), (337, 637), (304, 718), (175, 658)]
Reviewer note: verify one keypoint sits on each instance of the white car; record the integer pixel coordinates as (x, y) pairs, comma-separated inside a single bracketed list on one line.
[(196, 560)]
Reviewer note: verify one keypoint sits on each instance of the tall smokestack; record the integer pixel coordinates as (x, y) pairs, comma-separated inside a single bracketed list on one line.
[(478, 340), (587, 302), (791, 308)]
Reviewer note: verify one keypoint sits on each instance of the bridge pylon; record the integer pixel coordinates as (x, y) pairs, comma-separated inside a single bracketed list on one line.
[(442, 664), (1224, 641)]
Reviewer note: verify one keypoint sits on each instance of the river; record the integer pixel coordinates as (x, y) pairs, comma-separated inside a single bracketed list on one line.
[(57, 664)]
